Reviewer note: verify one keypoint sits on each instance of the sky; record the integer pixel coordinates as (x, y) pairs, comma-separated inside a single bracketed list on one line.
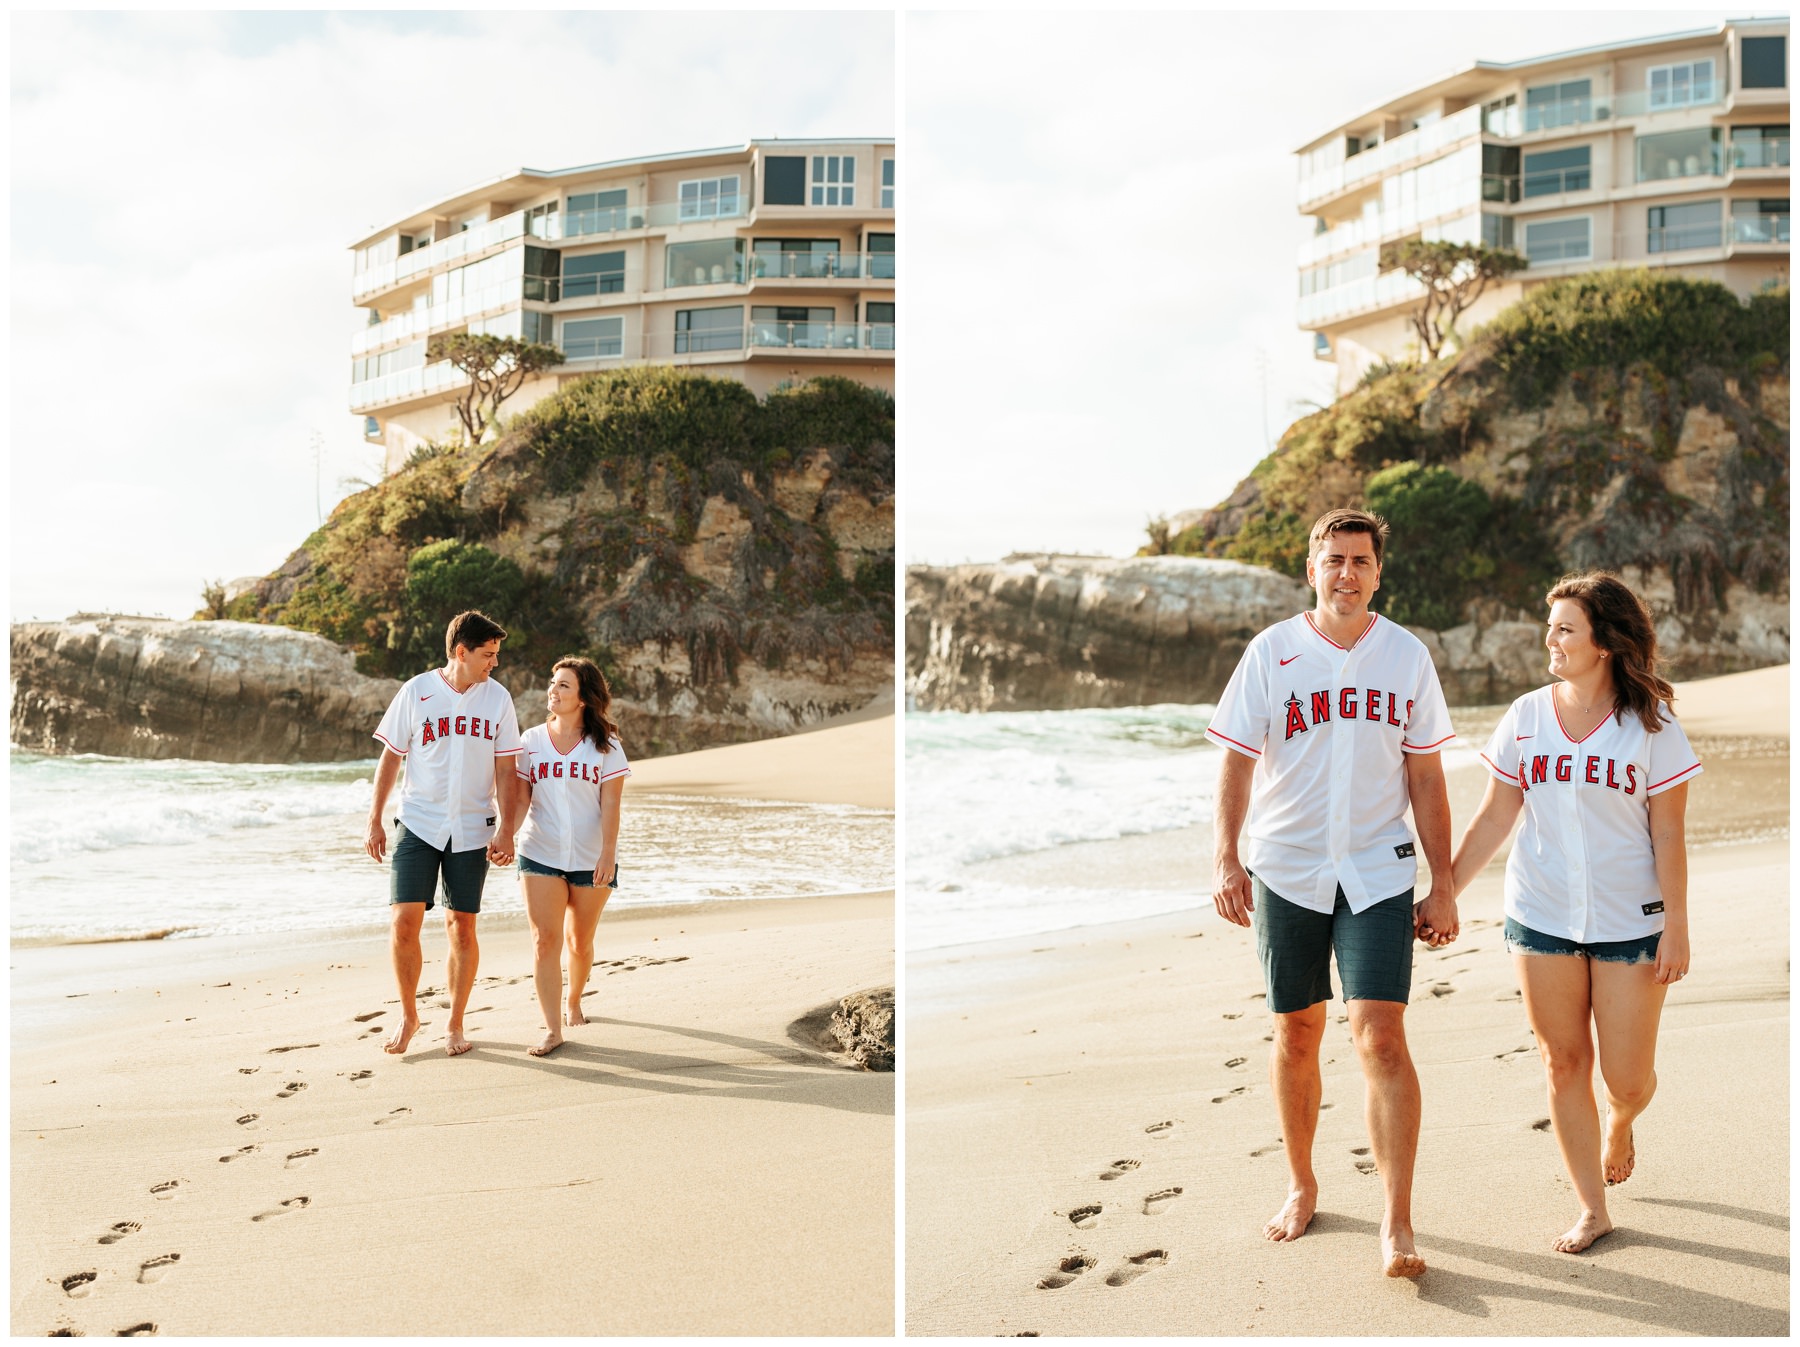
[(187, 187), (1099, 235)]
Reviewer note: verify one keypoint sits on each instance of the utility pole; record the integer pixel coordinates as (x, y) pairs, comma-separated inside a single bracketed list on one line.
[(318, 453)]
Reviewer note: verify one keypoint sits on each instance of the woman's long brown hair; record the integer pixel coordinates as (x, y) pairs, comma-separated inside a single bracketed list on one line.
[(596, 699), (1622, 628)]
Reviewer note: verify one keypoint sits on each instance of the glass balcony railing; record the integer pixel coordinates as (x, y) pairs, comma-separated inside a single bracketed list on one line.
[(404, 384), (823, 336), (654, 215), (1509, 187), (1419, 144), (419, 260), (1767, 153), (821, 266), (1568, 112), (1678, 238), (1759, 228), (1554, 250)]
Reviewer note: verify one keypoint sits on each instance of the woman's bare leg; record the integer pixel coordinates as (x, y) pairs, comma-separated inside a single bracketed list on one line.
[(1558, 1003), (546, 898), (1628, 1003), (585, 906)]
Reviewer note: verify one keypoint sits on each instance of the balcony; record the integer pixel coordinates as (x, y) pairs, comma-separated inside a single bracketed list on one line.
[(1424, 143), (1768, 153), (1759, 227), (754, 338), (419, 260), (404, 386), (822, 266), (1507, 188), (1576, 112), (580, 224), (822, 336)]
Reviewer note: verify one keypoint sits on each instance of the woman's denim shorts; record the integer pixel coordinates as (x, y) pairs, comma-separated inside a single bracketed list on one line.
[(1522, 939), (576, 879)]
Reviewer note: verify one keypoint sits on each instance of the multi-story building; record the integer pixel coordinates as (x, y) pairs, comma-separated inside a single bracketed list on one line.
[(1666, 152), (768, 263)]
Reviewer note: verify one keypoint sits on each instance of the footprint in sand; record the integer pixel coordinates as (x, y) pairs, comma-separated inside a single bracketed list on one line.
[(369, 1015), (248, 1119), (1085, 1218), (297, 1158), (77, 1284), (360, 1079), (239, 1154), (248, 1070), (1541, 1125), (395, 1116), (1220, 1099), (1119, 1169), (1234, 1014), (1261, 1151), (1158, 1202), (1363, 1166), (291, 1205), (1508, 1056), (1160, 1130), (119, 1230), (1441, 989), (1066, 1271), (143, 1330), (293, 1047), (164, 1192), (293, 1088), (157, 1268), (65, 1333), (1136, 1266), (1236, 1061)]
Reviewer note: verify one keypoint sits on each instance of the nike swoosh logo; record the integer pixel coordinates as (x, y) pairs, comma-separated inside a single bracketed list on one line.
[(1523, 737), (426, 697), (1289, 660)]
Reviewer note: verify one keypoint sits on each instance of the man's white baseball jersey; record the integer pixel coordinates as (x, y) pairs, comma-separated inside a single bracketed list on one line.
[(450, 741), (1328, 727), (1582, 867), (562, 827)]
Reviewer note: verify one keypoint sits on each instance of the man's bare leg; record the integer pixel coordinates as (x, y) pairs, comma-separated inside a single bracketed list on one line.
[(1392, 1110), (1294, 1077), (464, 956), (408, 958)]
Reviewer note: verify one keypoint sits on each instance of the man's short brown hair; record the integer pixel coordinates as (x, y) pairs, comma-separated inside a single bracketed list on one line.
[(1347, 521), (473, 630)]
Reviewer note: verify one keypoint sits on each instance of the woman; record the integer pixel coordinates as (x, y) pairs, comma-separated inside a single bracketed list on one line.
[(574, 772), (1596, 887)]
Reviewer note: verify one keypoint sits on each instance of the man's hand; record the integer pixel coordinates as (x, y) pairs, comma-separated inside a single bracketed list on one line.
[(376, 842), (1435, 921), (1231, 891), (500, 850)]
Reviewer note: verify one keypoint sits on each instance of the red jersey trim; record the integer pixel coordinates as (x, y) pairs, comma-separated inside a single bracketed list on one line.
[(1500, 772), (1557, 710), (508, 752), (1373, 618), (400, 751), (1211, 733), (449, 684), (1672, 780), (623, 771), (1426, 748)]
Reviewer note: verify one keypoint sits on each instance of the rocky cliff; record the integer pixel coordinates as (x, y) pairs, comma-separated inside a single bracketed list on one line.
[(220, 691)]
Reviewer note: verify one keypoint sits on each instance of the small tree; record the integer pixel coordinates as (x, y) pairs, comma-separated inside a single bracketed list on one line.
[(496, 367), (1159, 534), (1454, 275)]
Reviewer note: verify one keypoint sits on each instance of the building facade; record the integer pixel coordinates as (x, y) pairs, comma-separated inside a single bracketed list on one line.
[(1665, 152), (768, 263)]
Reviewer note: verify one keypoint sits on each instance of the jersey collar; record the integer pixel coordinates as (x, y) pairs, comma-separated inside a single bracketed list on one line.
[(1373, 619)]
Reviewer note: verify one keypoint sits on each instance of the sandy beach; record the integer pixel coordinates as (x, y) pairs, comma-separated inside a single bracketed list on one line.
[(207, 1138), (1091, 1107)]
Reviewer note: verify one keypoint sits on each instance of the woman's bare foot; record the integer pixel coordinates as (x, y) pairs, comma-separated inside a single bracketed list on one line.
[(573, 1016), (552, 1041), (1620, 1156), (402, 1035), (1295, 1215), (1584, 1232), (455, 1044), (1399, 1258)]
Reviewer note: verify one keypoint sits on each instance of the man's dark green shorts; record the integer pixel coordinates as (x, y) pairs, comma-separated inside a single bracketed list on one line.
[(1374, 950), (417, 866)]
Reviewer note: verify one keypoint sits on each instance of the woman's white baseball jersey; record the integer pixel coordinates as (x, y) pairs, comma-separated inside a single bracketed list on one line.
[(1582, 867), (562, 827), (450, 741), (1329, 728)]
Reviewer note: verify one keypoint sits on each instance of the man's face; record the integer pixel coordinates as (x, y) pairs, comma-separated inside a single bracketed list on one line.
[(1344, 573), (475, 665)]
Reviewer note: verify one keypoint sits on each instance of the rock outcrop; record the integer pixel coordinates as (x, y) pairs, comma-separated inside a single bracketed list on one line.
[(215, 691), (857, 1031)]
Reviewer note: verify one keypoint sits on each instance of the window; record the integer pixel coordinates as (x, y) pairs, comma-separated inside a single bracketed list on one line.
[(1680, 86), (887, 184), (540, 221), (534, 326), (1557, 240), (1565, 104), (593, 274), (833, 179), (599, 213), (708, 198), (1692, 225), (1499, 173), (784, 325), (709, 330), (1557, 171), (798, 257), (1764, 221), (714, 262), (371, 428), (1321, 346), (541, 269), (880, 318), (1764, 63), (1501, 117), (1497, 231), (881, 256), (593, 338), (1759, 146), (1678, 154), (784, 180)]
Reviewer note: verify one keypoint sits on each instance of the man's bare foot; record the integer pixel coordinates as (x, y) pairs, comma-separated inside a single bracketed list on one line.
[(573, 1016), (1399, 1257), (402, 1035), (455, 1044), (1619, 1157), (1583, 1233), (1293, 1218), (552, 1041)]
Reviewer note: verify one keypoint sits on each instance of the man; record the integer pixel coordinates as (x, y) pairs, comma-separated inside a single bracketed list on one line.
[(1331, 723), (449, 726)]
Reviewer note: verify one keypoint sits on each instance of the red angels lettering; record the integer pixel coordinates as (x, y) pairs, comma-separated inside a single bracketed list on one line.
[(1611, 781), (1347, 704), (1631, 778), (443, 727), (1592, 774), (487, 729), (462, 724), (1540, 769), (556, 771), (1321, 707), (1393, 719), (1374, 705), (1296, 719), (427, 737), (543, 771), (1565, 767), (1409, 707)]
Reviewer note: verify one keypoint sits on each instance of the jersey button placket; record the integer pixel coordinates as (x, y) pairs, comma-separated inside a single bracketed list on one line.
[(1574, 838)]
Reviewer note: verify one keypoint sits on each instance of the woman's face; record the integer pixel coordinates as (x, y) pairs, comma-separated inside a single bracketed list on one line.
[(563, 694), (1570, 641)]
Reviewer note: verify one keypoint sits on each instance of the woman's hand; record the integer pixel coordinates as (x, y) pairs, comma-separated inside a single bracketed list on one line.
[(1672, 955), (603, 872)]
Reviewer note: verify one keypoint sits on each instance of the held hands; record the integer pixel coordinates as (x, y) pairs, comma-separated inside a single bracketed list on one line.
[(1231, 892), (1434, 920), (500, 850), (1671, 956), (376, 842)]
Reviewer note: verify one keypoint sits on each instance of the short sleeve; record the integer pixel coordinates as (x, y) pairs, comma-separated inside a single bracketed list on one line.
[(1428, 726), (506, 737), (1672, 759), (1502, 752), (613, 763), (1241, 721), (522, 766), (396, 728)]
